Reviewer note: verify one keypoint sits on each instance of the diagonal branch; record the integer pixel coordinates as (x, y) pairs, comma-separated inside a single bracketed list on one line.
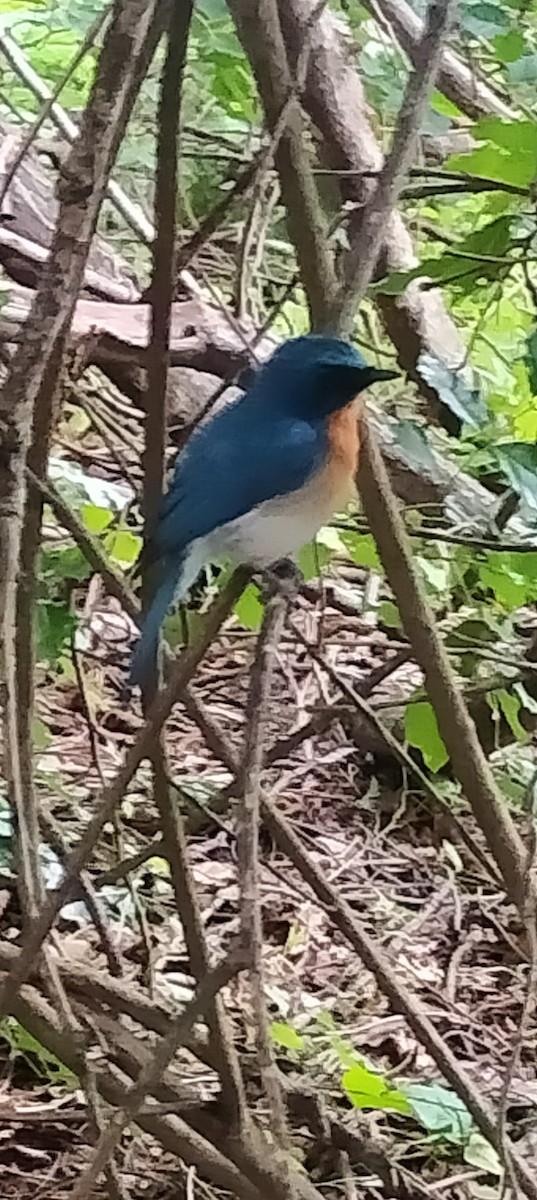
[(248, 851), (334, 99), (363, 254), (258, 26), (456, 79), (112, 795), (151, 1074)]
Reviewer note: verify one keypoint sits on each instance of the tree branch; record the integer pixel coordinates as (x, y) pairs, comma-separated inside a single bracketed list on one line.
[(455, 78), (369, 233)]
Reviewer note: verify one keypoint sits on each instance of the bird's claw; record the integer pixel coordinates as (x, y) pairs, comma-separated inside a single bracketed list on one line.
[(283, 578)]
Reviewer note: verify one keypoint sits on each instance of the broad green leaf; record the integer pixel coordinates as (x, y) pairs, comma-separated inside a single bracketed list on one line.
[(509, 155), (439, 1110), (388, 614), (124, 547), (421, 731), (446, 107), (41, 735), (55, 626), (362, 549), (484, 19), (284, 1035), (480, 1154), (95, 518), (249, 609), (509, 589), (510, 706), (365, 1089), (510, 46), (313, 558), (454, 392), (39, 1059)]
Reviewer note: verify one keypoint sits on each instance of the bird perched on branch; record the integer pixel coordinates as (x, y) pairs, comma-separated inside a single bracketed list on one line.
[(257, 482)]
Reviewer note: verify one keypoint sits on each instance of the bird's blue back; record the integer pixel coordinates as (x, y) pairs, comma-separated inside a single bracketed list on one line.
[(268, 444)]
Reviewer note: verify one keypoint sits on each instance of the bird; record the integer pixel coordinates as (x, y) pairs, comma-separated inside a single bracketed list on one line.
[(258, 480)]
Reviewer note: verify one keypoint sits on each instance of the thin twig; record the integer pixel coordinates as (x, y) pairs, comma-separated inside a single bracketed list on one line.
[(248, 851), (363, 254), (48, 105), (113, 794), (152, 1073)]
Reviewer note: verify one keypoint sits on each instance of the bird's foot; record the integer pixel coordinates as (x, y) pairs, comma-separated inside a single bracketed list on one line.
[(283, 577)]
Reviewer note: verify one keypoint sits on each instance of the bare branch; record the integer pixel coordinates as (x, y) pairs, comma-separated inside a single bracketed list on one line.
[(334, 98), (258, 26), (362, 258), (248, 850), (455, 78), (457, 728)]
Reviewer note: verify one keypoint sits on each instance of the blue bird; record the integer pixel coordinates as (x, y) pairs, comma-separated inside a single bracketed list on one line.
[(257, 481)]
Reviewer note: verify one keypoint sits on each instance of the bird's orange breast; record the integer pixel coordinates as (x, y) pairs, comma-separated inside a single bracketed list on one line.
[(344, 450)]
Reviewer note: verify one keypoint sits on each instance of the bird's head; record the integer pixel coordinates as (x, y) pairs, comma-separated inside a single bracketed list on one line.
[(313, 375)]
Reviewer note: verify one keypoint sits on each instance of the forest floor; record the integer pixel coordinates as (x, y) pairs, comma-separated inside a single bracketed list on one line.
[(445, 926)]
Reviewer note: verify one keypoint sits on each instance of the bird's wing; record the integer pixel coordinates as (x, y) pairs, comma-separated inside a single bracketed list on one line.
[(232, 464)]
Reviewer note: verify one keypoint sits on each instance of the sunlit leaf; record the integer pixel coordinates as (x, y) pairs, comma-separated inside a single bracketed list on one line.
[(284, 1035), (249, 609), (95, 518), (365, 1089), (362, 549), (421, 731), (124, 547)]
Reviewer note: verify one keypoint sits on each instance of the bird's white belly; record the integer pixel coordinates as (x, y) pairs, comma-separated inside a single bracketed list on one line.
[(275, 529)]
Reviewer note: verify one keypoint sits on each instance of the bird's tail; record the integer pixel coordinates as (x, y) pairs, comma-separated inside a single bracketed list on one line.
[(144, 659)]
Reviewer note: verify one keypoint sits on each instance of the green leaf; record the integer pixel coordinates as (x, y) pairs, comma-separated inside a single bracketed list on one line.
[(388, 614), (440, 1111), (362, 549), (95, 518), (249, 609), (123, 547), (39, 1059), (510, 706), (518, 461), (55, 626), (531, 360), (284, 1035), (365, 1089), (480, 1154), (510, 46), (509, 155), (465, 402), (484, 19), (421, 731), (508, 589), (41, 735), (312, 558), (446, 107)]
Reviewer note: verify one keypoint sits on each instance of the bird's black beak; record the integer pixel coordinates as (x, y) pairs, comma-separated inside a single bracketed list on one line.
[(369, 375)]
